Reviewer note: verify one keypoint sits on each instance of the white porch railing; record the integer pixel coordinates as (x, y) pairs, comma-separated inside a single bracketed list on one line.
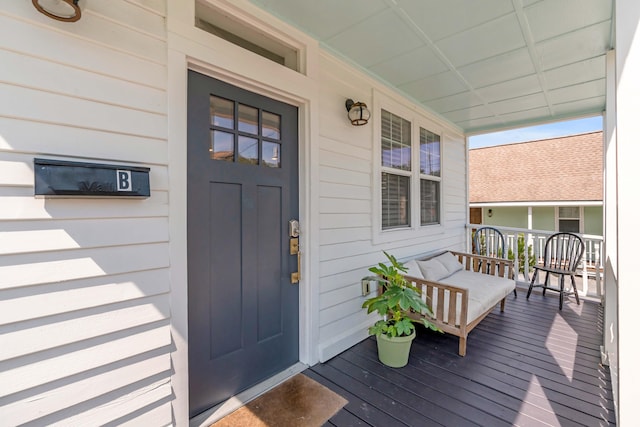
[(589, 270)]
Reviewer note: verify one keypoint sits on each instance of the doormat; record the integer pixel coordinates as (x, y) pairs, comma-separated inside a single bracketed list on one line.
[(299, 401)]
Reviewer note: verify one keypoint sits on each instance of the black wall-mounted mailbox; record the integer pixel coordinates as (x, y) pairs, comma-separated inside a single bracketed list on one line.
[(63, 178)]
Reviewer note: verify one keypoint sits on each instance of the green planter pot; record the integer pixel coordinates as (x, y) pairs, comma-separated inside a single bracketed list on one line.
[(394, 352)]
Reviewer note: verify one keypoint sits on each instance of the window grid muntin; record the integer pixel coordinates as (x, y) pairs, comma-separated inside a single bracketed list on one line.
[(235, 130), (423, 206)]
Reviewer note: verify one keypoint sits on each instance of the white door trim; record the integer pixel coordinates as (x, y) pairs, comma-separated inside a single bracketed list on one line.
[(299, 90)]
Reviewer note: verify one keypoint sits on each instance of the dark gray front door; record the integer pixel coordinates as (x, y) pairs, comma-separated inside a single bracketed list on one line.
[(242, 164)]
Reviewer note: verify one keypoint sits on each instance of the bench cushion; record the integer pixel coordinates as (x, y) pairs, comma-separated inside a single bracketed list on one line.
[(437, 268), (413, 269), (433, 270), (485, 291), (450, 262)]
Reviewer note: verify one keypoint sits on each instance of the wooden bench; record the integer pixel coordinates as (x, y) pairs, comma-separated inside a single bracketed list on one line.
[(464, 297)]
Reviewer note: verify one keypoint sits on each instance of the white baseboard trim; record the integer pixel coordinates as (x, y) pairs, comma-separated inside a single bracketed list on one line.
[(604, 357), (344, 341)]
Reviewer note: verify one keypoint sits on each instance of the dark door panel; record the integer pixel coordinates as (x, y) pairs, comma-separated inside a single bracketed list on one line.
[(242, 190)]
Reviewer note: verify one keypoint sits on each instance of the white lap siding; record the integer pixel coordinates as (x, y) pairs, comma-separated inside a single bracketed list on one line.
[(346, 247), (85, 290), (84, 283)]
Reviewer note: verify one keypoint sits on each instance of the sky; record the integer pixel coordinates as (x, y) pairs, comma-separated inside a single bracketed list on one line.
[(533, 133)]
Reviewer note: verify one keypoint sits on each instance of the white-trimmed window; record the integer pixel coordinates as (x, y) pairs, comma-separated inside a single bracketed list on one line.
[(430, 172), (570, 219), (410, 176), (396, 171)]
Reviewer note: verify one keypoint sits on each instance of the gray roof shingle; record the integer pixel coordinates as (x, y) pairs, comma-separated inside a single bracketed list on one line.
[(558, 169)]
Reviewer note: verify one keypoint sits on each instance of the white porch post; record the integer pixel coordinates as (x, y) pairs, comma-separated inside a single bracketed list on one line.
[(610, 236), (625, 129), (528, 241)]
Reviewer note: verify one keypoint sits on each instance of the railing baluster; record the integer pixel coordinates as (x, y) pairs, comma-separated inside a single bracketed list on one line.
[(591, 262), (585, 277), (527, 237)]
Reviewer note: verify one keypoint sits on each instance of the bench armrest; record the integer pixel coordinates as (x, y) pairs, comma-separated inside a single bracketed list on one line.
[(426, 287)]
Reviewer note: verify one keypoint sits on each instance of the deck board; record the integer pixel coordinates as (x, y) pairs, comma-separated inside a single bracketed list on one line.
[(531, 365)]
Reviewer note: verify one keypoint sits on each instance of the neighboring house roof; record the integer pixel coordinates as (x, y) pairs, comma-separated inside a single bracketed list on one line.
[(558, 169)]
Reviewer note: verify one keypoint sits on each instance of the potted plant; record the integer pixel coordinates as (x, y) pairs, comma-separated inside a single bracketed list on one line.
[(397, 298)]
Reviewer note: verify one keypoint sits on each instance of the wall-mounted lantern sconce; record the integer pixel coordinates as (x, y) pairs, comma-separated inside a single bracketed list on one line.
[(358, 112), (62, 10), (490, 213)]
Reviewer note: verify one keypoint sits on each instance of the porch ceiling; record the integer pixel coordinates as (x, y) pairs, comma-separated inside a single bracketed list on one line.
[(484, 65)]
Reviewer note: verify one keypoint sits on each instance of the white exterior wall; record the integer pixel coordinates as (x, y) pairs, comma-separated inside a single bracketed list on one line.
[(93, 307), (84, 284), (610, 233), (348, 243), (623, 154), (336, 178)]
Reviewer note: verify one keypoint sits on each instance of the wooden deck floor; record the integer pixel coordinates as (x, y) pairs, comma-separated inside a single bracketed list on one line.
[(529, 366)]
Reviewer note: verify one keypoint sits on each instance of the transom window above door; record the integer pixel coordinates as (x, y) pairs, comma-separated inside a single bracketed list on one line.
[(244, 134)]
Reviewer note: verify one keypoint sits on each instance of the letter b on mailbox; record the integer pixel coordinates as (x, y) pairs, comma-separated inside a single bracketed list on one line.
[(123, 180)]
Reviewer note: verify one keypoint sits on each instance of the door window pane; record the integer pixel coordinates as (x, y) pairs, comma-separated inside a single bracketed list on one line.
[(247, 150), (395, 201), (247, 119), (221, 111), (221, 146), (396, 141), (429, 153), (429, 202), (270, 125), (270, 154)]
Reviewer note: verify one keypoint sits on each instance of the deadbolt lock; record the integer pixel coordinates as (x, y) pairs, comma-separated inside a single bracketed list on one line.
[(294, 228)]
